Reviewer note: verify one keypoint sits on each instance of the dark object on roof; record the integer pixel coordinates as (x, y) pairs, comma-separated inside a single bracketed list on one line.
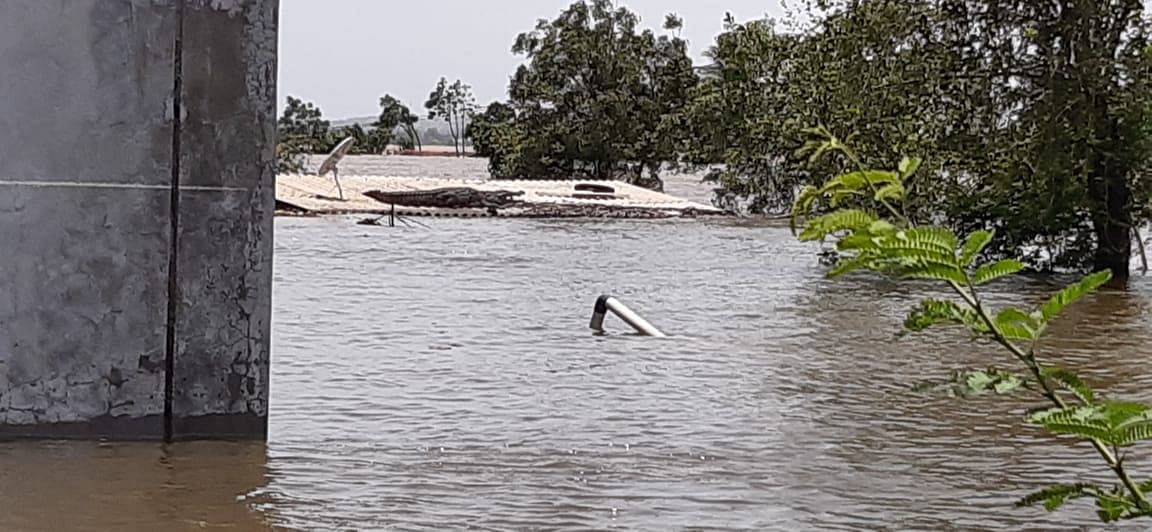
[(591, 187), (448, 198)]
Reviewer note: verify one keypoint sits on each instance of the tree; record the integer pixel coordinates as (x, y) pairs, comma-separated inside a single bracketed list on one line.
[(741, 117), (302, 130), (1030, 109), (495, 136), (290, 158), (455, 105), (368, 141), (881, 238), (395, 115), (303, 124), (1089, 76), (878, 69), (597, 98)]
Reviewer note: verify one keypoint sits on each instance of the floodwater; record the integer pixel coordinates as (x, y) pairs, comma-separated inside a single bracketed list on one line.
[(442, 377)]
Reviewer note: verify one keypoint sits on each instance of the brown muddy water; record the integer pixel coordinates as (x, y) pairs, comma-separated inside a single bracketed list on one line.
[(443, 378)]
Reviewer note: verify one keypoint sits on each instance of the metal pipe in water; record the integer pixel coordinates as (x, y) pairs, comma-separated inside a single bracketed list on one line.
[(607, 304)]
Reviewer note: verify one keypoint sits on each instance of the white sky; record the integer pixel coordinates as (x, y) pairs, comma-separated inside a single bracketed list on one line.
[(344, 54)]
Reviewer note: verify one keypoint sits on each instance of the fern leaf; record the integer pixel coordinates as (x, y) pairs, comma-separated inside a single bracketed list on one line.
[(916, 248), (894, 191), (1015, 314), (978, 381), (813, 149), (935, 312), (942, 238), (849, 265), (1121, 413), (1015, 324), (881, 228), (936, 273), (1130, 422), (839, 196), (966, 383), (975, 244), (912, 253), (1073, 293), (1083, 429), (1114, 506), (1053, 497), (843, 220), (1071, 413), (1133, 432), (1114, 423), (991, 272), (928, 269), (1083, 421), (1015, 331), (907, 250), (1008, 384), (999, 381), (908, 166), (863, 180), (1072, 383), (803, 205), (857, 242)]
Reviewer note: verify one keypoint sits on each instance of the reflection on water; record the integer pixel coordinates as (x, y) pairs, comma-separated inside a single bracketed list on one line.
[(444, 378)]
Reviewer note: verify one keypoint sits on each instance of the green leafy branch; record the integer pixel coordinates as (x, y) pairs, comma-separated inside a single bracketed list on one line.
[(875, 235)]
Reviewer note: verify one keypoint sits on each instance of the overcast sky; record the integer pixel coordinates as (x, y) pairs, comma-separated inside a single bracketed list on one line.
[(344, 54)]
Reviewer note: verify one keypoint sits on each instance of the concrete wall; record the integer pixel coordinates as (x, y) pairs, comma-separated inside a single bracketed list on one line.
[(136, 198)]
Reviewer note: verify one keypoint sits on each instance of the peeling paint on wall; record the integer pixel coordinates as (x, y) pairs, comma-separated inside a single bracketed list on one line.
[(83, 303)]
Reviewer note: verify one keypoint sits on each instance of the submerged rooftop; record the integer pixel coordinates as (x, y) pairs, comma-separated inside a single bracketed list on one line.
[(310, 194)]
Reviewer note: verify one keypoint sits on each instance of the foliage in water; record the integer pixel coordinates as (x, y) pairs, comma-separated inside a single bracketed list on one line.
[(454, 104), (395, 115), (1036, 114), (863, 212), (597, 98), (303, 130)]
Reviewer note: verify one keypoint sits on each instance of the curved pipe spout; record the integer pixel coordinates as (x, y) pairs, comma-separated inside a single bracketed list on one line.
[(607, 304)]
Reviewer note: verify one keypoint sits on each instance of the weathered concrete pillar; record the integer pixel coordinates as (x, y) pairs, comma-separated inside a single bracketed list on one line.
[(136, 198)]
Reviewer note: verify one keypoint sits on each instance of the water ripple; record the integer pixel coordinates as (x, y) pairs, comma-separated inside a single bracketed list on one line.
[(446, 379)]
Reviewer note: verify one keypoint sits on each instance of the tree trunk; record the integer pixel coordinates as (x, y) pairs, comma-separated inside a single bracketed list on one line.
[(1112, 224), (459, 138), (1111, 197)]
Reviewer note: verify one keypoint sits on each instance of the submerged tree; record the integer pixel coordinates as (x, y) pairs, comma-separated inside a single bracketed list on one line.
[(878, 236), (741, 118), (454, 104), (290, 159), (495, 136), (302, 130), (1033, 111), (395, 115), (596, 99), (368, 141), (303, 124)]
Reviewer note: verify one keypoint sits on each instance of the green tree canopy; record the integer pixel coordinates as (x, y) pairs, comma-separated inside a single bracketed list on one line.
[(597, 98), (302, 130), (495, 135), (1035, 114), (395, 115), (369, 141), (302, 119)]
